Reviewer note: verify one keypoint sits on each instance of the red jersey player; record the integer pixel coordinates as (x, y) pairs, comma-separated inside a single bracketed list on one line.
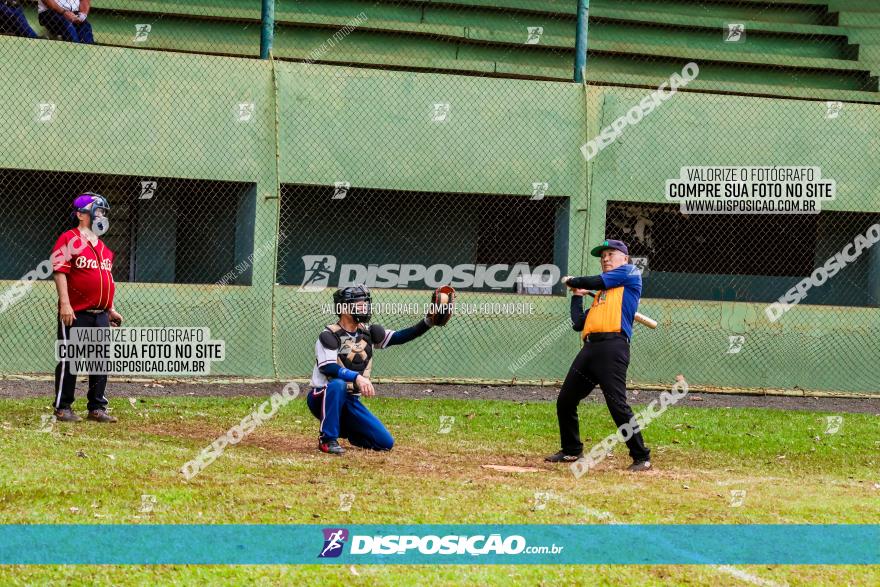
[(82, 267)]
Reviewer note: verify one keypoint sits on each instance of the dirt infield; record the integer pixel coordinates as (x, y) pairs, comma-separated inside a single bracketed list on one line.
[(11, 388)]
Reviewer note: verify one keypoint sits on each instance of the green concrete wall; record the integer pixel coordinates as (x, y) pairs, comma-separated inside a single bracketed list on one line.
[(154, 115), (374, 129), (172, 115), (813, 347)]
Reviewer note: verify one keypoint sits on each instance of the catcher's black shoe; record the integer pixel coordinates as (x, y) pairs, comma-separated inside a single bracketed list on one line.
[(561, 457), (639, 466), (331, 447), (66, 415), (100, 416)]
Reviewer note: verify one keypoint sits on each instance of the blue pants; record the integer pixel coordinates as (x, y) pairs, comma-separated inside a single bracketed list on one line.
[(342, 415), (72, 33), (13, 21)]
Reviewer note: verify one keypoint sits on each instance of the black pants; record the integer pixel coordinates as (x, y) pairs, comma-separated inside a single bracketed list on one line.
[(65, 381), (603, 363)]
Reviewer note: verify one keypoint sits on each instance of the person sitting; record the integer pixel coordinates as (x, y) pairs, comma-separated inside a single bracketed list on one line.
[(13, 21), (66, 19)]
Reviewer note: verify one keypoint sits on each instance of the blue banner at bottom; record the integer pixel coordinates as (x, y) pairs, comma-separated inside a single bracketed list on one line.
[(618, 544)]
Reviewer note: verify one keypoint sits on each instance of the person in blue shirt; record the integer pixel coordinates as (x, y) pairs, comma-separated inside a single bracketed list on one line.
[(67, 19), (13, 21), (606, 329), (343, 360)]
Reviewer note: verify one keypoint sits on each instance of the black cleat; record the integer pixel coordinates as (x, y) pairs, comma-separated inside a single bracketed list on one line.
[(331, 447), (66, 415), (100, 416), (640, 466), (561, 457)]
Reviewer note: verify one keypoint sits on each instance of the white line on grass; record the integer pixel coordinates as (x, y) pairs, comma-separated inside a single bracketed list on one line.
[(608, 518)]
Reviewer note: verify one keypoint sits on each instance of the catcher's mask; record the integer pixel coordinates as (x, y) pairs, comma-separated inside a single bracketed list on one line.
[(97, 207), (346, 300)]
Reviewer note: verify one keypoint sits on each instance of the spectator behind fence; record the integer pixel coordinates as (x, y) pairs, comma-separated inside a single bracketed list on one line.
[(67, 19), (13, 20)]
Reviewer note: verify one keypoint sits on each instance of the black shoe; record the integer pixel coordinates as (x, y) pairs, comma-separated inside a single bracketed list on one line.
[(561, 457), (66, 415), (331, 447), (100, 416), (640, 466)]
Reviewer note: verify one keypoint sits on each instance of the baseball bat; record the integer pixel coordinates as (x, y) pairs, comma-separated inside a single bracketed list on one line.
[(639, 317)]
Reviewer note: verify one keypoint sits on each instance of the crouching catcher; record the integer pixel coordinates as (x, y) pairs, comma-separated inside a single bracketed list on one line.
[(343, 361)]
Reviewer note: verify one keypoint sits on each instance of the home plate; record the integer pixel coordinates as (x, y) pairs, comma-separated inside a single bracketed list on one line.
[(511, 469)]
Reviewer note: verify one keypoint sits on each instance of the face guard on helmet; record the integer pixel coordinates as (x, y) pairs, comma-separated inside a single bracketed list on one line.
[(97, 207), (354, 300)]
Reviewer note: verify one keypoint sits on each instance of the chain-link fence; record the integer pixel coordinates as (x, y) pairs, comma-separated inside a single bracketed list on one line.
[(408, 144)]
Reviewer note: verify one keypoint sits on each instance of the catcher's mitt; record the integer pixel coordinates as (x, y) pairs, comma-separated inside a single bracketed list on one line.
[(442, 305)]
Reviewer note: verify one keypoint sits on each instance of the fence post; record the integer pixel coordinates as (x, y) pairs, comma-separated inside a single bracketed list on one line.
[(580, 43), (267, 31)]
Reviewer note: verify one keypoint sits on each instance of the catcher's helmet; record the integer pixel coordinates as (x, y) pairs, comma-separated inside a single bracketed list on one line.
[(344, 299), (96, 201)]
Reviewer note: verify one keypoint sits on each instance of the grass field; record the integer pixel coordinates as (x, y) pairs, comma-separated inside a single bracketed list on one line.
[(790, 469)]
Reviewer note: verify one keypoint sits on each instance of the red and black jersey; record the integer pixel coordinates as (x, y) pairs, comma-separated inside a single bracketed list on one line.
[(89, 270)]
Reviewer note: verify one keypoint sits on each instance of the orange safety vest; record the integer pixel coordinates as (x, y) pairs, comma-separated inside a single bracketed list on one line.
[(605, 312)]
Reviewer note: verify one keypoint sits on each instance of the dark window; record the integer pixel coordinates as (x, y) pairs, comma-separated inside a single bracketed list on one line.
[(381, 227), (162, 230), (739, 257)]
